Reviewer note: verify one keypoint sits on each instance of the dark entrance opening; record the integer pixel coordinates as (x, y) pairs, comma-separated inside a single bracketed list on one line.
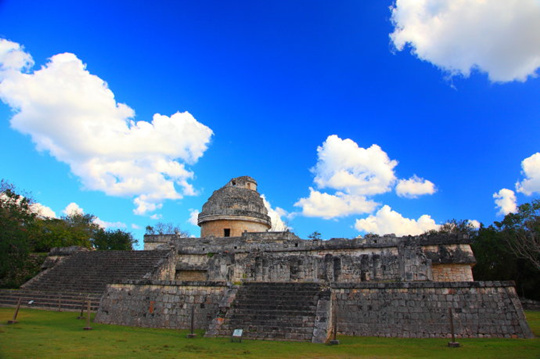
[(226, 232)]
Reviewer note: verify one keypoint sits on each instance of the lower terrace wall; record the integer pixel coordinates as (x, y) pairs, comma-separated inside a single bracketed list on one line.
[(420, 310), (161, 304), (406, 309)]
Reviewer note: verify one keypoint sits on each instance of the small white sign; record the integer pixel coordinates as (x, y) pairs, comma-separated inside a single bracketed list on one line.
[(237, 333)]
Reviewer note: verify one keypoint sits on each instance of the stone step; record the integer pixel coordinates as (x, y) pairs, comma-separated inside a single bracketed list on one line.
[(89, 272), (48, 300), (274, 311)]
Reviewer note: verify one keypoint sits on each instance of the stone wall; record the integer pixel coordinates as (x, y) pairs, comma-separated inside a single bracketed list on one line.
[(283, 257), (236, 227), (153, 241), (160, 304), (452, 273), (409, 310), (420, 310)]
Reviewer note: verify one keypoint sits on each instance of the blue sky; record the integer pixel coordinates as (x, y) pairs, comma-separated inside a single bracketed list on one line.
[(353, 116)]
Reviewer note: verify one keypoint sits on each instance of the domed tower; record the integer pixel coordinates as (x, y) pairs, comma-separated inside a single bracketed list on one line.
[(235, 208)]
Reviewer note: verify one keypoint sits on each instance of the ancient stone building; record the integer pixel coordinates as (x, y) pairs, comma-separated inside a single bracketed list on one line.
[(234, 209), (276, 286)]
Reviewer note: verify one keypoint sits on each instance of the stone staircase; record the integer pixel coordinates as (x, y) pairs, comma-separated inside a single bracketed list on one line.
[(276, 311), (84, 275), (66, 301)]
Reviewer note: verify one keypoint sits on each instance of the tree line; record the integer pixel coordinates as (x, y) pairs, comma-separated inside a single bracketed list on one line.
[(510, 250), (23, 231)]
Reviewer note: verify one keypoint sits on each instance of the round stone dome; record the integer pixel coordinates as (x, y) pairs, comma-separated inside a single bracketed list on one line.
[(235, 208)]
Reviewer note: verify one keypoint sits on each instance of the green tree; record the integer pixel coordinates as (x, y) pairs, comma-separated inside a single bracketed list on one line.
[(74, 230), (522, 232), (16, 217), (315, 235), (166, 228), (455, 226), (494, 259), (113, 240)]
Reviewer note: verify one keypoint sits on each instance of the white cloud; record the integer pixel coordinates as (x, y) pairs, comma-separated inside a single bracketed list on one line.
[(343, 165), (36, 208), (474, 223), (506, 201), (42, 210), (13, 58), (354, 174), (531, 171), (387, 221), (193, 216), (276, 216), (105, 224), (135, 226), (320, 204), (74, 116), (414, 187), (72, 209), (499, 37)]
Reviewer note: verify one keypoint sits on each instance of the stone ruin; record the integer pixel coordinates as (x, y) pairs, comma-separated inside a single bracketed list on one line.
[(276, 286)]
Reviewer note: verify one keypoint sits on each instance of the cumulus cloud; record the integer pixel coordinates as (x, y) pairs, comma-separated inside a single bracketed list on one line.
[(105, 224), (276, 216), (193, 216), (354, 174), (499, 37), (506, 201), (387, 221), (343, 165), (414, 187), (474, 223), (73, 209), (74, 116), (13, 58), (531, 170), (37, 208), (327, 206), (42, 210)]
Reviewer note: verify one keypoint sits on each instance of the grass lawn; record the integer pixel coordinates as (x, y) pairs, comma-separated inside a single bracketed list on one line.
[(43, 334)]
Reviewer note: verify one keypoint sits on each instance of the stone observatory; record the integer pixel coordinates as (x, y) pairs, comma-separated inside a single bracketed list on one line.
[(234, 209)]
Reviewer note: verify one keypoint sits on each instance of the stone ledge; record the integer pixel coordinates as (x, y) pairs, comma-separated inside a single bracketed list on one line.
[(413, 285), (174, 283)]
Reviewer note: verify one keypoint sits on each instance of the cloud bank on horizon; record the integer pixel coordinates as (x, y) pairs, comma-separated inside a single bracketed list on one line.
[(498, 37), (73, 115)]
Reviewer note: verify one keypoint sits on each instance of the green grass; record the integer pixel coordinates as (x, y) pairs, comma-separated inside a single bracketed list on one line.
[(43, 334)]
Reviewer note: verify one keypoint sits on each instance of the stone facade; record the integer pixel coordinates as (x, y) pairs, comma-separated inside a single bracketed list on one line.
[(283, 257)]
